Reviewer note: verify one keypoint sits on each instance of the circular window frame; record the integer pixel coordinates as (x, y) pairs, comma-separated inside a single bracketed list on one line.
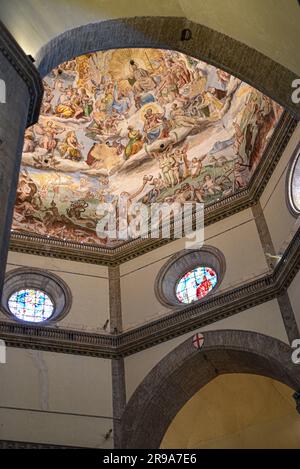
[(291, 168), (181, 263), (37, 279)]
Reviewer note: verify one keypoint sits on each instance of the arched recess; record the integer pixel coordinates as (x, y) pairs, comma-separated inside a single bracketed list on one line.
[(185, 370), (203, 43)]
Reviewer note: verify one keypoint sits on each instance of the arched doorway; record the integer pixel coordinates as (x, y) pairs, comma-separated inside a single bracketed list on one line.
[(185, 370)]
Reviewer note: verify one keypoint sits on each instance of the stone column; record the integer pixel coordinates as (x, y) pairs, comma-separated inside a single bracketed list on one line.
[(21, 92), (264, 234), (117, 364), (288, 318)]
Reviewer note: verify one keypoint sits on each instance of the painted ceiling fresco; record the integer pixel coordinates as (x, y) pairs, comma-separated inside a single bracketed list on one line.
[(155, 125)]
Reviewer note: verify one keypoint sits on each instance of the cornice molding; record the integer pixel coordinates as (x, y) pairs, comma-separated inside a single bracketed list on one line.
[(245, 198), (218, 306), (25, 69), (10, 444)]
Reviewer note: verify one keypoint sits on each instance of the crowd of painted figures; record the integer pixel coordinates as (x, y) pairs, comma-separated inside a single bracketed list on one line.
[(135, 122)]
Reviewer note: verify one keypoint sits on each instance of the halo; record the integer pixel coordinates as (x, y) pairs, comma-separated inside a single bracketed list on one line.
[(155, 108)]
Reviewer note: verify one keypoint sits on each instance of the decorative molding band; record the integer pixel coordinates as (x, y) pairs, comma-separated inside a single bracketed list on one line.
[(25, 69), (58, 340), (217, 307), (245, 198), (9, 444)]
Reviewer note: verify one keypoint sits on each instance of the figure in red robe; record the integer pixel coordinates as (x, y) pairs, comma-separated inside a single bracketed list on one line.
[(203, 287)]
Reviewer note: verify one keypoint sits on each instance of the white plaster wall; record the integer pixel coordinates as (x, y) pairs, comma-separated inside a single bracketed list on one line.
[(55, 398), (265, 319), (88, 284), (273, 200), (241, 246)]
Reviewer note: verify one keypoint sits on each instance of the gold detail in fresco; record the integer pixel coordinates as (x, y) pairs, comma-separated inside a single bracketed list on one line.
[(155, 125)]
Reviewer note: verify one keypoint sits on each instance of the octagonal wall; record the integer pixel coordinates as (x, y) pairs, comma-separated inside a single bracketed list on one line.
[(280, 221), (236, 237), (65, 399), (265, 319)]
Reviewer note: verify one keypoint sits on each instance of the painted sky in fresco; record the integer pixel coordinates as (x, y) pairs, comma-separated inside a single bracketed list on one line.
[(154, 125)]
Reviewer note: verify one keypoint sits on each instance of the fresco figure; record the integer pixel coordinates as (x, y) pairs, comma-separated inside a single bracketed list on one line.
[(142, 84), (240, 174), (29, 141), (70, 149), (180, 119), (153, 125), (49, 131), (121, 102), (210, 186), (196, 167), (135, 143), (87, 102), (167, 164), (65, 107)]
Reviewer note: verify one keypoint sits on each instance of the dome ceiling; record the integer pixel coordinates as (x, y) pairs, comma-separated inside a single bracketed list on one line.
[(152, 125)]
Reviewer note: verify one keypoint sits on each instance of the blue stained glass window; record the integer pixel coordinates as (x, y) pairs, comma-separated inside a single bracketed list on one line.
[(31, 305), (196, 284)]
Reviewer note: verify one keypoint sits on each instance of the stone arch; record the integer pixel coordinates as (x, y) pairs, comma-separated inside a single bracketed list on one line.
[(185, 370), (171, 33)]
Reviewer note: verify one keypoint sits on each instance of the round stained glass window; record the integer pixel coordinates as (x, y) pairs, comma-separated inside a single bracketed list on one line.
[(31, 305), (196, 284)]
